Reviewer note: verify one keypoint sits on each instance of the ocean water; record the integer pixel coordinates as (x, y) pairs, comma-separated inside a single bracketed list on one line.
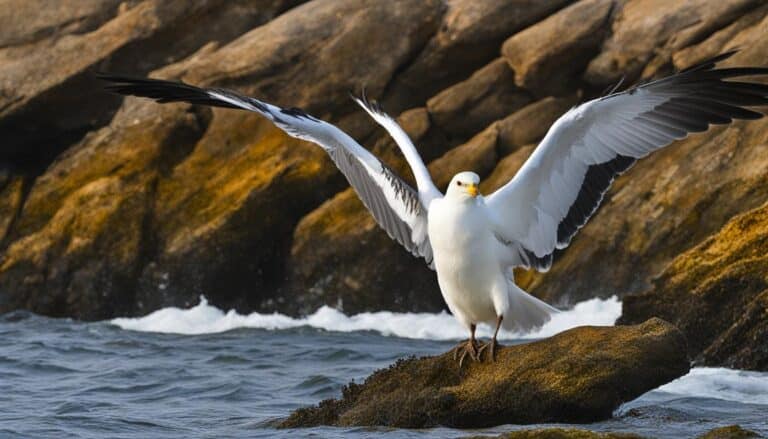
[(202, 372)]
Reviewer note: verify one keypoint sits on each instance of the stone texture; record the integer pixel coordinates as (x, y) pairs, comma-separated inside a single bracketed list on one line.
[(50, 72), (209, 177), (488, 95), (644, 28), (730, 432), (469, 36), (580, 375), (562, 433), (546, 58), (531, 123), (717, 294)]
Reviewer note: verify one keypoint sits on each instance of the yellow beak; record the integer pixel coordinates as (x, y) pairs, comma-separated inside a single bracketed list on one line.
[(472, 190)]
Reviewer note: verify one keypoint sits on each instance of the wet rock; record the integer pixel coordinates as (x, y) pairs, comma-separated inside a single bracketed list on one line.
[(221, 190), (28, 21), (717, 294), (546, 59), (11, 197), (580, 375)]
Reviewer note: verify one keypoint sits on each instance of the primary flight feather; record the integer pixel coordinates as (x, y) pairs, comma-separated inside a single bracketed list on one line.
[(474, 242)]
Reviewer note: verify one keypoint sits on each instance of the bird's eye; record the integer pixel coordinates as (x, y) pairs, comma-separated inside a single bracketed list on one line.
[(458, 183)]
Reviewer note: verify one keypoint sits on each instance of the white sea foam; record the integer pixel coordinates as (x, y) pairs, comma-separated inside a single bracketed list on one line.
[(720, 383), (707, 382), (204, 318)]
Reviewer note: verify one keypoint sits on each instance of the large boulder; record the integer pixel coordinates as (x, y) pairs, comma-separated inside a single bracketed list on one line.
[(48, 52), (548, 56), (717, 294), (469, 106), (581, 375)]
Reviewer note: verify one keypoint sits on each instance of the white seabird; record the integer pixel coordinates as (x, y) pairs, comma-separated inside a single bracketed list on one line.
[(475, 241)]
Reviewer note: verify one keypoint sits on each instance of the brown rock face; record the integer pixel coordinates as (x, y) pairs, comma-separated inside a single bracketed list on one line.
[(220, 191), (469, 36), (487, 96), (580, 375), (644, 28), (546, 58), (717, 294), (47, 59)]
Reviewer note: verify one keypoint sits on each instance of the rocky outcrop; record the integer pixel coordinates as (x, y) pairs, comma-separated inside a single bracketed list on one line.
[(580, 375), (202, 230), (48, 98), (120, 207), (717, 294)]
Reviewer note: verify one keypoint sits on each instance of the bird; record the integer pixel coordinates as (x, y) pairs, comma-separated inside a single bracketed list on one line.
[(474, 241)]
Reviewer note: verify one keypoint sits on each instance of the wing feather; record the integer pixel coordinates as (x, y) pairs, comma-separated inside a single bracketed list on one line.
[(394, 204), (564, 181)]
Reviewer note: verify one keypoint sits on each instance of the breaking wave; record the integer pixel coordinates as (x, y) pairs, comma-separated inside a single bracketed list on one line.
[(205, 319)]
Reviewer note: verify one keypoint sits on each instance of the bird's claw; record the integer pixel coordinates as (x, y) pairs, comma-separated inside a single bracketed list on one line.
[(468, 347), (491, 346)]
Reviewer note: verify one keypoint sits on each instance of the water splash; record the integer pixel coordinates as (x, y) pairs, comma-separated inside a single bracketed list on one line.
[(205, 319)]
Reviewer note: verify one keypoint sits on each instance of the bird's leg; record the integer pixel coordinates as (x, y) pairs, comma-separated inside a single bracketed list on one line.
[(491, 345), (468, 347)]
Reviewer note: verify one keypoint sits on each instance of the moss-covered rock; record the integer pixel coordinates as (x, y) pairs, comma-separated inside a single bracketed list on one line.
[(717, 294), (730, 432), (581, 375)]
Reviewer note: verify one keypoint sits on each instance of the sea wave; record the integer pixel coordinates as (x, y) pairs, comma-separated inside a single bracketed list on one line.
[(205, 319), (721, 383), (740, 386)]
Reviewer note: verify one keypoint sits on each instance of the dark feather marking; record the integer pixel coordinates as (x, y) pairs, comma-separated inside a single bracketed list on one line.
[(596, 182)]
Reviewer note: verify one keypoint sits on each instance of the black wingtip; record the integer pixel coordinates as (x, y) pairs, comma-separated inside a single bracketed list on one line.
[(710, 62)]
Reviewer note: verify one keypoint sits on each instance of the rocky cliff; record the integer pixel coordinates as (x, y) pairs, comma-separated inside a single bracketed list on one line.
[(111, 206)]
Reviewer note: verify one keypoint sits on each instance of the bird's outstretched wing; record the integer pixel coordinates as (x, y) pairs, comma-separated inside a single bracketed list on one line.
[(424, 183), (563, 182), (395, 205)]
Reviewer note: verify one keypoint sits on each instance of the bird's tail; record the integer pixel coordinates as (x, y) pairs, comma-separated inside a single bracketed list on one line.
[(526, 313)]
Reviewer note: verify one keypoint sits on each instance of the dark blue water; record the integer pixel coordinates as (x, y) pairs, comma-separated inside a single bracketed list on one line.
[(61, 378)]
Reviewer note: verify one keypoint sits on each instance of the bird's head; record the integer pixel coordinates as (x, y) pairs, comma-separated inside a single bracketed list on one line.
[(464, 185)]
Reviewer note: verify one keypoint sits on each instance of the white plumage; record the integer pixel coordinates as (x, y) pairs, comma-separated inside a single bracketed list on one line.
[(474, 242)]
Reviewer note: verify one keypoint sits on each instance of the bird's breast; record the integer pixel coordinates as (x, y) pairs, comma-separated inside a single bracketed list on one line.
[(459, 235)]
